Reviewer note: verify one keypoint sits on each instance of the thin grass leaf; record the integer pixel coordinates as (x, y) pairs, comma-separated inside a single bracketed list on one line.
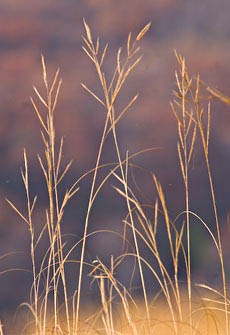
[(33, 204), (119, 60), (113, 80), (46, 144), (179, 239), (134, 52), (129, 43), (181, 161), (44, 72), (97, 46), (88, 32), (143, 32), (123, 194), (217, 94), (87, 44), (40, 235), (59, 157), (175, 113), (126, 74), (131, 67), (56, 95), (88, 54), (103, 54), (178, 57), (208, 126), (93, 94), (17, 211), (188, 85), (192, 144), (155, 219), (23, 174), (180, 135), (72, 193), (118, 85), (43, 168), (122, 78), (40, 97), (64, 172), (209, 288), (54, 82), (178, 83), (177, 103), (122, 113), (190, 116), (38, 114)]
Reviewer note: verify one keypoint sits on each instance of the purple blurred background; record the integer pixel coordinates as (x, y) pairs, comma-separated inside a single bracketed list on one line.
[(198, 30)]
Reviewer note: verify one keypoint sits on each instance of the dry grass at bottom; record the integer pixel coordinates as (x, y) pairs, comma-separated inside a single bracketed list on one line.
[(206, 320)]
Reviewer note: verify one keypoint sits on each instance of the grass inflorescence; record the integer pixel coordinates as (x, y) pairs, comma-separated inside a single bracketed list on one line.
[(175, 309)]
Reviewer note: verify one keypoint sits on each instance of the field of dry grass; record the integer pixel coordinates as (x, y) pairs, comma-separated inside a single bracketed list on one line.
[(163, 302)]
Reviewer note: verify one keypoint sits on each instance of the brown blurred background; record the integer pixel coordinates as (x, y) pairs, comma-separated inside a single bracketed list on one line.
[(198, 30)]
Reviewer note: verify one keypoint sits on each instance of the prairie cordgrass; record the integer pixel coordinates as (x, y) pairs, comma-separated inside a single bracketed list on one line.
[(176, 308)]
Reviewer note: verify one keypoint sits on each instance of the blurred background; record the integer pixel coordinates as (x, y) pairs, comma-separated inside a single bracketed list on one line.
[(198, 30)]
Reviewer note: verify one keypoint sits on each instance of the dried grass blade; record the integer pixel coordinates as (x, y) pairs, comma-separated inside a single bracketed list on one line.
[(17, 211), (190, 116), (178, 83), (179, 239), (64, 172), (131, 67), (40, 97), (23, 177), (178, 57), (112, 81), (103, 54), (38, 115), (88, 32), (93, 94), (72, 193), (97, 46), (181, 161), (87, 43), (44, 140), (175, 113), (128, 44), (122, 113), (56, 95), (180, 135), (88, 54), (217, 94), (143, 32), (208, 126), (34, 203), (54, 81), (40, 235), (123, 194), (192, 144), (119, 60), (59, 156), (44, 71), (43, 168)]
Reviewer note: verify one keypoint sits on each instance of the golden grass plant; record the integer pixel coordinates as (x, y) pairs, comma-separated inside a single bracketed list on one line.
[(182, 313)]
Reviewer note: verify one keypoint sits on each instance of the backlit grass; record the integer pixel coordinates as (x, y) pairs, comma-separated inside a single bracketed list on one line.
[(177, 308)]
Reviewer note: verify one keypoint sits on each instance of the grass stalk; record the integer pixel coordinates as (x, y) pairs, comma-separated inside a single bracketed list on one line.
[(111, 92)]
